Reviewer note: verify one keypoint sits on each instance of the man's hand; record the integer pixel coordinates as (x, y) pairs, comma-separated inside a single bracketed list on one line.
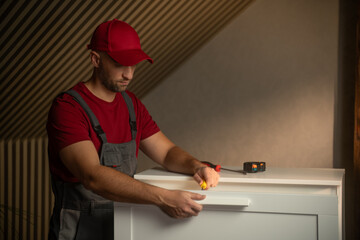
[(181, 204), (208, 174)]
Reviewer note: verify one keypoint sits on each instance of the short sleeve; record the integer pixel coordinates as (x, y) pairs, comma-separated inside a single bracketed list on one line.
[(67, 123)]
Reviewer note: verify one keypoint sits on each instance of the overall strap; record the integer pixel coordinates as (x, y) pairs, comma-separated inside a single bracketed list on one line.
[(94, 121), (132, 115)]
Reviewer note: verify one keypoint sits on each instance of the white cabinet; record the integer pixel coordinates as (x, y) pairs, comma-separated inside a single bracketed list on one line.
[(280, 203)]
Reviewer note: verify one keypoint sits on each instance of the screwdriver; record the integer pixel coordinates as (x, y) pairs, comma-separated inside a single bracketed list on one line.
[(203, 185), (217, 168)]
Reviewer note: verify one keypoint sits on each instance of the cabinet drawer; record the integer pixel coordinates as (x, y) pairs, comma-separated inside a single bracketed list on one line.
[(234, 215), (260, 202)]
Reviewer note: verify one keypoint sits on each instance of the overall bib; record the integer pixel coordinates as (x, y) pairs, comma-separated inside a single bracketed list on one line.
[(79, 213)]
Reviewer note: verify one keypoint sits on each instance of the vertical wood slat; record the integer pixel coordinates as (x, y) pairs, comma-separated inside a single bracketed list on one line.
[(31, 190), (16, 192), (29, 220), (2, 185), (45, 181), (9, 188), (357, 130), (25, 196)]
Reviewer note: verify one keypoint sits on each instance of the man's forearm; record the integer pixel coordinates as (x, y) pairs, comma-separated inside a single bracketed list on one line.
[(117, 186), (177, 160)]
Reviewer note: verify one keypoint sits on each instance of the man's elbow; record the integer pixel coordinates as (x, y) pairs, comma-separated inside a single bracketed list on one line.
[(90, 180), (89, 183)]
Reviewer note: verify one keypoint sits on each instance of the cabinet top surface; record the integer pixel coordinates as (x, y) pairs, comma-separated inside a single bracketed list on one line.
[(303, 176)]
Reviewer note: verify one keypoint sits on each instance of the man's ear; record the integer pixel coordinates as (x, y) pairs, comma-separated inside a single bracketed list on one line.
[(95, 59)]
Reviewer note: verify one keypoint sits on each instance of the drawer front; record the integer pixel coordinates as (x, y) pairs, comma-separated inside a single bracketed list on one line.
[(234, 215), (260, 202)]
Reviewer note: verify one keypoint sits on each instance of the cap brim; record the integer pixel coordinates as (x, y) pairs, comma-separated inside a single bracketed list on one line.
[(130, 57)]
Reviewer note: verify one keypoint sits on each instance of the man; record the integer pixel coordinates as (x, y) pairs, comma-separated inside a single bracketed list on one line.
[(95, 131)]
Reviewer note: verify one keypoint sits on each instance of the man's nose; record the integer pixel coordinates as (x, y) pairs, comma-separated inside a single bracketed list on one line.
[(128, 72)]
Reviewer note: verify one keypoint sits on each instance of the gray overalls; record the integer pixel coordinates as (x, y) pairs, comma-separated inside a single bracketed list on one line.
[(79, 213)]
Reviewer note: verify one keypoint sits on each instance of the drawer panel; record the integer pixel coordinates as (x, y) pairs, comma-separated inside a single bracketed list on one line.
[(151, 223), (260, 202), (234, 215)]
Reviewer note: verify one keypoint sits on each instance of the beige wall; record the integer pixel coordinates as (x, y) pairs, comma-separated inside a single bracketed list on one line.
[(261, 90)]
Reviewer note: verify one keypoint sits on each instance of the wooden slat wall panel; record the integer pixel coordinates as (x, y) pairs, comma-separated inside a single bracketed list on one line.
[(26, 199), (43, 48)]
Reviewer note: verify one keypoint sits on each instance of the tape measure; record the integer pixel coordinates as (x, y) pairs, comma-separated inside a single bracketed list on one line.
[(253, 167)]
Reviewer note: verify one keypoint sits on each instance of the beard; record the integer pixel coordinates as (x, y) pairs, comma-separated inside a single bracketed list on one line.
[(112, 86), (109, 84)]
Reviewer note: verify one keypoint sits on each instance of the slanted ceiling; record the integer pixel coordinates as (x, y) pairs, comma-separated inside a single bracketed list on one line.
[(43, 48)]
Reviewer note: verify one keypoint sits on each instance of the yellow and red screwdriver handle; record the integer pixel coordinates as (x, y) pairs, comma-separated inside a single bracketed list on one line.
[(217, 168), (249, 167)]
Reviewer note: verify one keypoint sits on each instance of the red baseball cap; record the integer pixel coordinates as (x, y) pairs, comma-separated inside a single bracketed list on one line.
[(120, 41)]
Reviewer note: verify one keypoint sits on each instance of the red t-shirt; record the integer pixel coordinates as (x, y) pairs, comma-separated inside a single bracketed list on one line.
[(68, 123)]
